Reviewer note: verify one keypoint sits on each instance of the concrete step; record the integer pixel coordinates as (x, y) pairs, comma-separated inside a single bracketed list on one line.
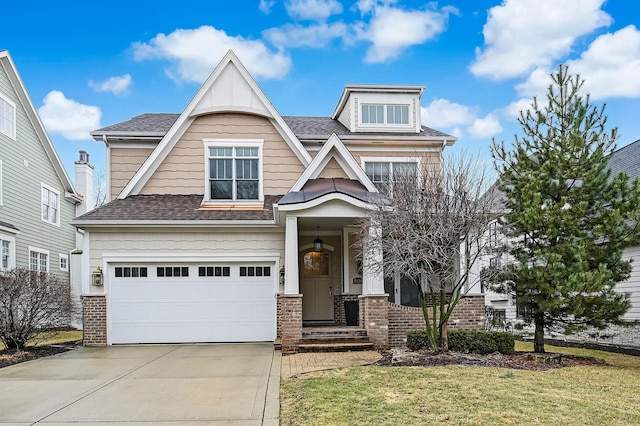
[(335, 347)]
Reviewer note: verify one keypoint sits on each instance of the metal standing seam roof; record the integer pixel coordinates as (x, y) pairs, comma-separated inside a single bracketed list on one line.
[(316, 188)]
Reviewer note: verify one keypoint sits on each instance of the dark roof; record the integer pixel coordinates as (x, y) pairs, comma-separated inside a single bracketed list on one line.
[(302, 127), (626, 159), (8, 225), (151, 208), (316, 188), (144, 123)]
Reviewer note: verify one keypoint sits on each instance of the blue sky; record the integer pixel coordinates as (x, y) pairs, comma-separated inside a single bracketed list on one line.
[(91, 64)]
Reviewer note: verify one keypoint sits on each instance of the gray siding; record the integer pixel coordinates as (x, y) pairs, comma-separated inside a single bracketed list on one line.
[(26, 165)]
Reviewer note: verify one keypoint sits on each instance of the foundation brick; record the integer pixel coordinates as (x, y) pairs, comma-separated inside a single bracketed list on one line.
[(94, 310)]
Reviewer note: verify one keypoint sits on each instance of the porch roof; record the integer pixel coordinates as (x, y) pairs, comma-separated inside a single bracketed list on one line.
[(316, 188)]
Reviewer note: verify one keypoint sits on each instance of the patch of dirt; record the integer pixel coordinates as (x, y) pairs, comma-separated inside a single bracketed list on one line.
[(518, 361), (8, 357)]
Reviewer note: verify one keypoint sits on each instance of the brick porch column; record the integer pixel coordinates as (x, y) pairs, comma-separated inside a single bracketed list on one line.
[(94, 310), (290, 321), (374, 314)]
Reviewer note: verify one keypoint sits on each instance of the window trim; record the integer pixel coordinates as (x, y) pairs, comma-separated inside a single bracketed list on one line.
[(64, 256), (55, 191), (39, 251), (15, 126), (386, 122), (233, 143), (1, 187), (12, 251), (365, 160)]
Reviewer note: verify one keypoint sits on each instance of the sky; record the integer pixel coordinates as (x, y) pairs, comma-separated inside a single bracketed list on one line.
[(87, 65)]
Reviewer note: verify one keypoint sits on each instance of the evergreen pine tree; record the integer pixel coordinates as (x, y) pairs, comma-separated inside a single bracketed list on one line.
[(567, 218)]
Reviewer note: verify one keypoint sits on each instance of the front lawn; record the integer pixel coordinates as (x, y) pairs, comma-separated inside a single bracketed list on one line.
[(584, 395)]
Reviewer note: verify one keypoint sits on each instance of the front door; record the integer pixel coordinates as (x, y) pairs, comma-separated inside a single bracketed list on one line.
[(315, 284)]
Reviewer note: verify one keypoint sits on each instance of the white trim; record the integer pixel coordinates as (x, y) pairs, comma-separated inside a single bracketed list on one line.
[(346, 249), (386, 125), (9, 230), (40, 251), (183, 122), (66, 258), (55, 191), (344, 159), (176, 223), (15, 125), (12, 250), (364, 160)]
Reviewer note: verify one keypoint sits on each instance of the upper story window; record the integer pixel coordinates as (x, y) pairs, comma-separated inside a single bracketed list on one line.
[(38, 260), (385, 114), (383, 173), (7, 117), (50, 205), (0, 182), (234, 170)]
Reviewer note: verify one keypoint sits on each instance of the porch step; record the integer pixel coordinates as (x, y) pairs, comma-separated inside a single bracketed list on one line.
[(335, 347), (334, 339), (277, 344)]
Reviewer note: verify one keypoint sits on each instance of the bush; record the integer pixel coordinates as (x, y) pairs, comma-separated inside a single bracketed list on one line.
[(481, 342), (31, 302)]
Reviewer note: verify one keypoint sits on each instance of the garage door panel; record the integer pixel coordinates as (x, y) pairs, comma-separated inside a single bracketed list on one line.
[(159, 309)]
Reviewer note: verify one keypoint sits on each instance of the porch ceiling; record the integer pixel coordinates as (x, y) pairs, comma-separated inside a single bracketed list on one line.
[(325, 223)]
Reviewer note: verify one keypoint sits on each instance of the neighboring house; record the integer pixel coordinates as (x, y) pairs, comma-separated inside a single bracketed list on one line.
[(506, 310), (37, 198), (216, 213)]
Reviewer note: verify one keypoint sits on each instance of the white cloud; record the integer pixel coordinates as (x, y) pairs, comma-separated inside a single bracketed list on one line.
[(293, 35), (522, 34), (316, 10), (512, 111), (536, 84), (265, 6), (71, 119), (611, 65), (391, 30), (195, 52), (442, 113), (486, 127), (117, 85)]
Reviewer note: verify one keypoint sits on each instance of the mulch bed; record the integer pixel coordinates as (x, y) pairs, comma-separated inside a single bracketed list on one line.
[(518, 361), (8, 357)]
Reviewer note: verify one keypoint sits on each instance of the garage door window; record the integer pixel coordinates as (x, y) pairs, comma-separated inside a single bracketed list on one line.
[(255, 271), (131, 272), (172, 271), (214, 271)]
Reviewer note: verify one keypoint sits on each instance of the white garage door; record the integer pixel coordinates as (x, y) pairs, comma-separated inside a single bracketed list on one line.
[(177, 303)]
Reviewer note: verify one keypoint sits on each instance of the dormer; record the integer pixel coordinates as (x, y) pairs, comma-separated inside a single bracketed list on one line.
[(380, 108)]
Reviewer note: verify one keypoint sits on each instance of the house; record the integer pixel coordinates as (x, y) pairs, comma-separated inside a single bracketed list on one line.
[(229, 222), (37, 198), (504, 308)]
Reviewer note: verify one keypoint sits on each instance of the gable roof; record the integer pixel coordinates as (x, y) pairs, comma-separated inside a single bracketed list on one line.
[(156, 124), (7, 63), (229, 88), (377, 88)]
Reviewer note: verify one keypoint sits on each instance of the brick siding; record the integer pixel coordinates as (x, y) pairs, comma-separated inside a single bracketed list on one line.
[(374, 317), (338, 307), (290, 321), (94, 309)]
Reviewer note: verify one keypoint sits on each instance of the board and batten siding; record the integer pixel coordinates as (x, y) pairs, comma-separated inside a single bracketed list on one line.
[(182, 171), (25, 166), (632, 285), (125, 162)]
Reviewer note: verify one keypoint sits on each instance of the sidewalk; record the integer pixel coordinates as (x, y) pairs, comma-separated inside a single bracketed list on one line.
[(292, 365)]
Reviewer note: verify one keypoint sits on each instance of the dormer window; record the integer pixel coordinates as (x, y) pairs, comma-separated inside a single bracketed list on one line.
[(385, 114), (234, 170)]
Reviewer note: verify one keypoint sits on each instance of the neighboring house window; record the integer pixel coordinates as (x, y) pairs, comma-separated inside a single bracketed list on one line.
[(7, 117), (385, 114), (38, 260), (493, 234), (50, 205), (7, 252), (495, 262), (64, 262), (234, 171), (523, 310), (381, 173)]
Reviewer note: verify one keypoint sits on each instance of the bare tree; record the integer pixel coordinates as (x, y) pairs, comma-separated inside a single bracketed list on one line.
[(99, 188), (30, 302), (433, 227)]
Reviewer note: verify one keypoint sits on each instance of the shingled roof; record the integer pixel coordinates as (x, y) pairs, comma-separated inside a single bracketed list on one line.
[(626, 159), (162, 208), (157, 123)]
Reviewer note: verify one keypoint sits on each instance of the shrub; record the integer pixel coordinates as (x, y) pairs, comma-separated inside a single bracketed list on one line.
[(31, 302), (481, 342)]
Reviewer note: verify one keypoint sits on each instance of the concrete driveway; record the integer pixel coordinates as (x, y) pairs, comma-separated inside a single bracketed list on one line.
[(168, 384)]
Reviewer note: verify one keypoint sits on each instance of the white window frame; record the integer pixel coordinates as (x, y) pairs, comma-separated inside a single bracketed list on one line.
[(365, 160), (40, 252), (233, 143), (44, 186), (11, 133), (1, 190), (385, 122), (12, 251), (63, 257)]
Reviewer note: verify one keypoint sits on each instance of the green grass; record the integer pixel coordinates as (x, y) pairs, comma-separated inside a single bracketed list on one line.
[(585, 395), (54, 337)]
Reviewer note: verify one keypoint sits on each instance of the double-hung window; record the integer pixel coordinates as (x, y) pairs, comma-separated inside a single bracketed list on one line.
[(50, 205), (234, 170), (383, 173), (38, 260), (7, 117), (7, 252), (385, 114)]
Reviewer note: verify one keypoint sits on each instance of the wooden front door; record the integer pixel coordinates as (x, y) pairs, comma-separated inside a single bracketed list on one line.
[(315, 284)]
